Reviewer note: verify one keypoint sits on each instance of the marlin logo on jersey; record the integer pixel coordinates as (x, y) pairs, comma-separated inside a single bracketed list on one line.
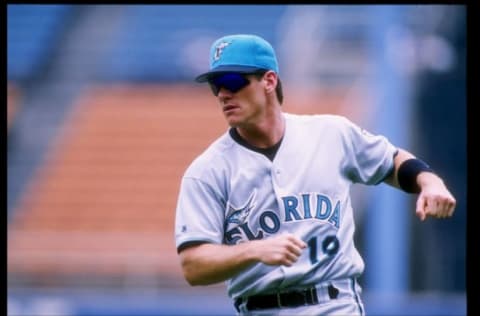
[(309, 206), (239, 215)]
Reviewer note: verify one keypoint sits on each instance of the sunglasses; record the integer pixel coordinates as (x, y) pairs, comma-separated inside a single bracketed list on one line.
[(233, 82)]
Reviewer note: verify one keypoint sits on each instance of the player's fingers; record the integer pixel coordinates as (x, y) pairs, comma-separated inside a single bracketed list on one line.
[(293, 248), (443, 208), (286, 259), (451, 206), (297, 241), (430, 206), (291, 258), (438, 206), (278, 258), (420, 208), (420, 214)]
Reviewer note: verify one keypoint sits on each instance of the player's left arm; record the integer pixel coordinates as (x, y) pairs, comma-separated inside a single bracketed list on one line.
[(434, 199)]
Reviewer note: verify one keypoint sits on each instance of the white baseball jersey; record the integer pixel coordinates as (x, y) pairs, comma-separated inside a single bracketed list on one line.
[(231, 194)]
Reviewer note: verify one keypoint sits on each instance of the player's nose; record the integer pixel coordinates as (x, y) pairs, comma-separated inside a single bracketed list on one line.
[(222, 92)]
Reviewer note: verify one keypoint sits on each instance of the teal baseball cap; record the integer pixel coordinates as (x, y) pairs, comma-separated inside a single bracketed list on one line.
[(241, 53)]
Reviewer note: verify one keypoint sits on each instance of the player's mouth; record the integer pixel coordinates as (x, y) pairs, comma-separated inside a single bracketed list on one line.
[(229, 108)]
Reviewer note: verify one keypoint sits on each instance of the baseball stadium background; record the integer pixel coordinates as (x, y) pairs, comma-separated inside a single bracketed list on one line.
[(104, 117)]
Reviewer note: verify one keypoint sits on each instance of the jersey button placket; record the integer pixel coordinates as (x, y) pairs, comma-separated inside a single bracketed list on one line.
[(276, 179), (276, 176)]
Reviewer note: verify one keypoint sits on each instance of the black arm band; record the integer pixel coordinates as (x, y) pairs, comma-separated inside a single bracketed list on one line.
[(407, 174)]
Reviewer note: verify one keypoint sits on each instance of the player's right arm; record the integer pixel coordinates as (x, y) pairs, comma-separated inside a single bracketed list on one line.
[(434, 199), (209, 263)]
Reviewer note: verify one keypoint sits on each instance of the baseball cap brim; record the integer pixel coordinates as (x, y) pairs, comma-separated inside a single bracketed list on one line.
[(224, 69)]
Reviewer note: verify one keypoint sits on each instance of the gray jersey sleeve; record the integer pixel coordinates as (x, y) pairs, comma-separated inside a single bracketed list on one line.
[(369, 156), (199, 214)]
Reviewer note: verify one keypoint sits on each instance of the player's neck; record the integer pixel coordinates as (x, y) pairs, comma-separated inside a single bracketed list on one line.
[(266, 133)]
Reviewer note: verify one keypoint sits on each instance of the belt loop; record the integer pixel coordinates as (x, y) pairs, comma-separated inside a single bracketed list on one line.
[(332, 291), (241, 304), (279, 301), (237, 304), (313, 293)]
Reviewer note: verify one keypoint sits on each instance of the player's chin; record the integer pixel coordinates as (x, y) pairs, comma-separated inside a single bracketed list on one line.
[(233, 121)]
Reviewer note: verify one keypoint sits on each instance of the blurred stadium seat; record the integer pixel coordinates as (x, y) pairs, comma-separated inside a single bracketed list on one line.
[(32, 35)]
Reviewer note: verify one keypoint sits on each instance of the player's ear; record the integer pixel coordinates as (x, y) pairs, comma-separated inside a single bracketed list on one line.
[(270, 78)]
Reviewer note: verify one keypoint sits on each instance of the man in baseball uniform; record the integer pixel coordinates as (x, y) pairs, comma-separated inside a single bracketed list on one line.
[(266, 206)]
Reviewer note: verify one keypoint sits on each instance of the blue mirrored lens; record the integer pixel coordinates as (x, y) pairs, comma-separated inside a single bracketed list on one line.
[(233, 82)]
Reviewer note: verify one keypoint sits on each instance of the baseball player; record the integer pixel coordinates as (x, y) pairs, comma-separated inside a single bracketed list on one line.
[(266, 206)]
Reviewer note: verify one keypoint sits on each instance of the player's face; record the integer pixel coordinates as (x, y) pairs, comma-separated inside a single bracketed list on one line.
[(241, 97)]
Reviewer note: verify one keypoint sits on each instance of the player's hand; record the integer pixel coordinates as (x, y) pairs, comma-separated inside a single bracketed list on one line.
[(280, 250), (434, 199)]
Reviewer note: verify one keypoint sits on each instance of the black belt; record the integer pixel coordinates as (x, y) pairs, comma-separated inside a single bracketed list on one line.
[(307, 296)]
